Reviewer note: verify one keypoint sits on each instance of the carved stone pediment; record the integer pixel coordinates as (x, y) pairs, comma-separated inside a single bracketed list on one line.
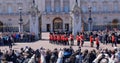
[(76, 12), (34, 10), (75, 9)]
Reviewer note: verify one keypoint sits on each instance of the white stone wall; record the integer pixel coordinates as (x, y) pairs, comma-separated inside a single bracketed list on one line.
[(99, 17)]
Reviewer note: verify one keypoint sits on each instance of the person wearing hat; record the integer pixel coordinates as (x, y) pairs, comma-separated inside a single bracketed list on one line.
[(113, 40), (78, 40), (91, 40), (97, 41), (71, 39), (81, 39)]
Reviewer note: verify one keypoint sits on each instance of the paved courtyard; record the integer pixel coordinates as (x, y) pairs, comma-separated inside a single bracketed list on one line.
[(45, 43)]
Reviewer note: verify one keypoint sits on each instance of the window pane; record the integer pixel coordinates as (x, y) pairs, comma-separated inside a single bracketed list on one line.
[(9, 9), (48, 6), (57, 5)]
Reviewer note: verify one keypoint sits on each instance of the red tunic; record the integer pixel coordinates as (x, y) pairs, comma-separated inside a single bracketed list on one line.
[(63, 38), (55, 37), (81, 37), (113, 38), (77, 38), (71, 37), (52, 38), (97, 41), (58, 38), (66, 38), (91, 39)]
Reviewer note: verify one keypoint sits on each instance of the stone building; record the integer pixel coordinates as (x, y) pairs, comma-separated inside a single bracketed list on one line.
[(55, 14)]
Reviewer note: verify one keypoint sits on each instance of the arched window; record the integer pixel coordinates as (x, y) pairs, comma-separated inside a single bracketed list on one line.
[(66, 6), (48, 6), (57, 5)]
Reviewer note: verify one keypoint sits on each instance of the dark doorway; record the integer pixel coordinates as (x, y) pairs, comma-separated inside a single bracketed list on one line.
[(67, 27), (1, 26), (48, 27)]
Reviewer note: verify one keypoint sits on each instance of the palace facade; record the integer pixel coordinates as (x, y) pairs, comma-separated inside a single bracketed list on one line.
[(56, 14)]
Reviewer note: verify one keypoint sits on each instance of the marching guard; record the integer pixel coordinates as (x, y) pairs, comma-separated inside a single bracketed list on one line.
[(113, 40), (71, 39), (58, 38), (78, 40), (91, 40), (97, 42), (81, 39)]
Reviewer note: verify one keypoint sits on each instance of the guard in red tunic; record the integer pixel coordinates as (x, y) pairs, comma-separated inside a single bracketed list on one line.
[(91, 41), (78, 40), (71, 39), (52, 38), (58, 39), (62, 42), (55, 38), (113, 40), (97, 42), (67, 40), (82, 39)]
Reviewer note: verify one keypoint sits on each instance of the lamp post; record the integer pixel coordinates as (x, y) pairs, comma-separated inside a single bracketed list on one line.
[(20, 20), (90, 19)]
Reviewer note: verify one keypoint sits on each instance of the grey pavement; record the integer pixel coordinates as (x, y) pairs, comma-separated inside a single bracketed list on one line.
[(45, 43)]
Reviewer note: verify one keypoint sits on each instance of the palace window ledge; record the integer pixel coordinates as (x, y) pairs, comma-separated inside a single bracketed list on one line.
[(54, 13), (25, 13)]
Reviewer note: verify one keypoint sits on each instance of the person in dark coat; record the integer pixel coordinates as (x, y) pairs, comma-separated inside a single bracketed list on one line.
[(10, 42)]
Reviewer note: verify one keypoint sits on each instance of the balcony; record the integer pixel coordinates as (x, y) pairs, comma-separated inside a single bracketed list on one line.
[(102, 12), (14, 14), (54, 13)]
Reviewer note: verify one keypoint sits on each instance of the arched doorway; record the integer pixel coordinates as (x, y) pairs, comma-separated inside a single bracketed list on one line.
[(1, 26), (57, 25), (115, 23)]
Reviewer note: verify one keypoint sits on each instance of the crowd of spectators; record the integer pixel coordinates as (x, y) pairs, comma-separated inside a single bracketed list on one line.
[(104, 36), (66, 55), (8, 38)]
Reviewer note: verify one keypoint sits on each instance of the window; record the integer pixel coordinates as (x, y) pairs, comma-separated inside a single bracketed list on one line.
[(116, 8), (9, 9), (48, 6), (0, 8), (66, 6), (105, 7), (57, 5), (94, 8), (84, 8)]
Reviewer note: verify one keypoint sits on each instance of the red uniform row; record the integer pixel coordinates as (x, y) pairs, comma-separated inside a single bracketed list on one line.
[(59, 39)]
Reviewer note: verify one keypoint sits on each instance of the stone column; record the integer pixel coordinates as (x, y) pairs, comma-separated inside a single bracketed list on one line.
[(34, 26), (76, 19)]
